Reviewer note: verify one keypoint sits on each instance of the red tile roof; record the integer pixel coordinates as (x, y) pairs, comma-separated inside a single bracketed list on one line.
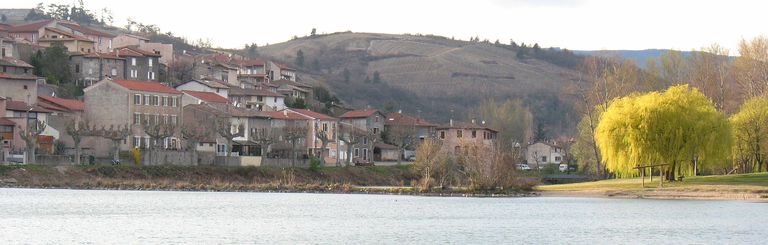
[(6, 122), (285, 115), (69, 104), (359, 113), (315, 115), (463, 125), (394, 118), (207, 96), (31, 27), (14, 105), (85, 30), (10, 61), (208, 82), (285, 67), (146, 86), (134, 52), (62, 32), (18, 76)]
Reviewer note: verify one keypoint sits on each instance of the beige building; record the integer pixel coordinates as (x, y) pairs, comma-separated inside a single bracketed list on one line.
[(541, 153), (143, 43), (126, 102), (325, 125), (17, 81), (457, 134), (71, 41)]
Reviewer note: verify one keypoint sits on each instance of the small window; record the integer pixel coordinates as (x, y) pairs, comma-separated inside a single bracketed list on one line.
[(137, 99), (442, 134), (150, 62), (77, 68), (114, 72), (474, 133), (458, 133), (544, 159), (133, 61), (137, 118)]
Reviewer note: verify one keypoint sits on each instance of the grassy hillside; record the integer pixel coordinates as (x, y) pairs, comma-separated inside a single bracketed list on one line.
[(440, 77)]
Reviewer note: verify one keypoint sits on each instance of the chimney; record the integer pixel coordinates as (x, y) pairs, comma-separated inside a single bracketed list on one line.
[(473, 121), (450, 122), (399, 111), (483, 122)]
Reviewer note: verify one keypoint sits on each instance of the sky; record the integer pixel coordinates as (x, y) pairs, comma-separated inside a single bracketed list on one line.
[(572, 24)]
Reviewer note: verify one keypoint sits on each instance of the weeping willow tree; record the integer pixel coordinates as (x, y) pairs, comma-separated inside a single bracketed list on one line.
[(750, 131), (679, 127)]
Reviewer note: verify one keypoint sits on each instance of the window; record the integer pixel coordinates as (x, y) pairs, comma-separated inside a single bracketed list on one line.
[(150, 62), (544, 159), (157, 100), (174, 120), (357, 152), (134, 73), (558, 159), (365, 140), (165, 119), (137, 99), (474, 133), (442, 134), (77, 68), (325, 127), (133, 61), (137, 141), (458, 133), (6, 129), (146, 99), (151, 75), (137, 118), (164, 101), (114, 71), (375, 130)]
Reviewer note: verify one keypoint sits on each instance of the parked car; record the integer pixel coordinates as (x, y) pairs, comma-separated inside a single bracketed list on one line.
[(523, 167), (563, 167)]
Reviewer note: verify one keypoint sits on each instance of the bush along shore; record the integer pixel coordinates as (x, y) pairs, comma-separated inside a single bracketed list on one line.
[(363, 180)]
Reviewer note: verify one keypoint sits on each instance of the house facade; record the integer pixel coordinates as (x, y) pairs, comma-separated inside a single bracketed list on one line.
[(89, 68), (324, 125), (140, 65), (71, 41), (369, 121), (256, 99), (17, 81), (127, 102), (456, 135), (540, 154)]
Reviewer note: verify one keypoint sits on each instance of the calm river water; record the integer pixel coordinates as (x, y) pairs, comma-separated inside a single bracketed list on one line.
[(151, 217)]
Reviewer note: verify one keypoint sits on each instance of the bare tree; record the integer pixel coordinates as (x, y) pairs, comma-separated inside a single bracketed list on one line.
[(265, 137), (194, 134), (488, 167), (29, 135), (430, 163), (324, 137), (78, 130), (293, 135), (226, 129), (115, 134), (351, 136), (404, 136), (158, 131)]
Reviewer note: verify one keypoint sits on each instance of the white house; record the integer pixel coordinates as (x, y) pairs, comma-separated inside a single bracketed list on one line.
[(541, 153)]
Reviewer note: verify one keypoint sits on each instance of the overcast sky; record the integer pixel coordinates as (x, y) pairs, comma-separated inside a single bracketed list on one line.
[(576, 24)]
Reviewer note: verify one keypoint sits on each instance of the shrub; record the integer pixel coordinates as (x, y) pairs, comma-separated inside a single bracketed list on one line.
[(314, 164)]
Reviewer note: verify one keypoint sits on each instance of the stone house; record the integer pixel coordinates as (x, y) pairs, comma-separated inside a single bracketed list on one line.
[(540, 154), (454, 135), (31, 31), (294, 89), (89, 68), (17, 81), (19, 115), (370, 121), (129, 102), (256, 99), (165, 50), (286, 118), (140, 65), (252, 71)]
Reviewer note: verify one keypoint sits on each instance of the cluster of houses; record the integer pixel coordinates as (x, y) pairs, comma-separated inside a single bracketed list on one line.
[(246, 97)]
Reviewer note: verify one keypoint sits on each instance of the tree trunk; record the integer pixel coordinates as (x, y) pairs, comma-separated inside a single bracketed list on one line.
[(77, 152), (349, 154), (116, 148), (402, 154)]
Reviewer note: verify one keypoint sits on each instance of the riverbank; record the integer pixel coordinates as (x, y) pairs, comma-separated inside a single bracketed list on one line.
[(751, 187), (354, 180)]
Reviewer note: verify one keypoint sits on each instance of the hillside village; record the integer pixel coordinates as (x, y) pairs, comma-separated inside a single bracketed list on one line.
[(231, 110)]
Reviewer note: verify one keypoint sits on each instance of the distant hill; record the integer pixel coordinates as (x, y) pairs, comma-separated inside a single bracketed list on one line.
[(638, 56), (435, 77)]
